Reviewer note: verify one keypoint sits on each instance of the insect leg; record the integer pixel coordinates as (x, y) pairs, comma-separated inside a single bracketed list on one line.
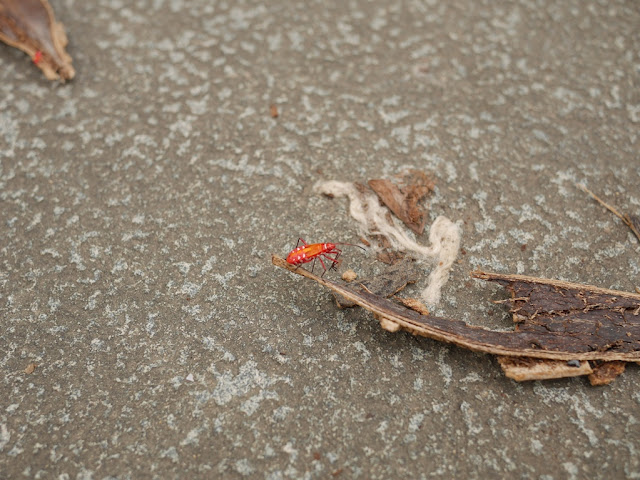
[(301, 240), (323, 266), (334, 260), (330, 258), (313, 265)]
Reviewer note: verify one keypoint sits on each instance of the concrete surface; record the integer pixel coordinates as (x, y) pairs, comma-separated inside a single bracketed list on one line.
[(140, 204)]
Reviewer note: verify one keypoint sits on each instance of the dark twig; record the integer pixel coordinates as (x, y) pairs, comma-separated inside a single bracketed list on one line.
[(630, 221)]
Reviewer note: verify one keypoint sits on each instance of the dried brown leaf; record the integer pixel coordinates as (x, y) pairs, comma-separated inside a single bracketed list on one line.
[(30, 25), (402, 195)]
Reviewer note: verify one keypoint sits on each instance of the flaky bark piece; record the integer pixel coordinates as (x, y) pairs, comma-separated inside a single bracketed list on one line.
[(30, 25), (606, 372), (573, 316), (523, 369), (413, 304), (607, 327)]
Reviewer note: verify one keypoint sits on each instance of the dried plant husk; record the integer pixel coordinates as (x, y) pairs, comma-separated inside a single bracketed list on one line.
[(30, 26)]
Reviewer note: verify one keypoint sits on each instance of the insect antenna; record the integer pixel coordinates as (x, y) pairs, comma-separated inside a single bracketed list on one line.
[(351, 244)]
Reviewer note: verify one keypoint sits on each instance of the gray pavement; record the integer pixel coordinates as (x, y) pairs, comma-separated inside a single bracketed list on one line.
[(140, 204)]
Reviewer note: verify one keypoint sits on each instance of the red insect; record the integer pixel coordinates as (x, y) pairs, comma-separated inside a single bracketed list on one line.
[(306, 253), (37, 57)]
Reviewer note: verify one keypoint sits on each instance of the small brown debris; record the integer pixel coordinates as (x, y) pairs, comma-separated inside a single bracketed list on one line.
[(414, 304), (388, 283), (30, 26), (349, 276), (273, 110), (606, 372), (386, 323), (402, 195), (30, 368), (389, 257)]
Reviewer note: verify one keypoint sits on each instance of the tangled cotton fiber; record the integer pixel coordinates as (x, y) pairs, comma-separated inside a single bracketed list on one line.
[(374, 219)]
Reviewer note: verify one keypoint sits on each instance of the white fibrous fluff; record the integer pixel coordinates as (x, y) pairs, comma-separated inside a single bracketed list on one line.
[(374, 219)]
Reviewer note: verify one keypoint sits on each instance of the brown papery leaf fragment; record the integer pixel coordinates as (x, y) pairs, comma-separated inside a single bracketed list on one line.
[(554, 320), (402, 195), (30, 25)]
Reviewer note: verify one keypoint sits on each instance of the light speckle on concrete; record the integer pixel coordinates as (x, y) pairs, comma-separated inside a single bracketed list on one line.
[(140, 204)]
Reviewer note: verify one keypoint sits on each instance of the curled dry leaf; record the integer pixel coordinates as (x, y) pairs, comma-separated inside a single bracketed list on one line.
[(403, 194), (554, 320), (30, 25)]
